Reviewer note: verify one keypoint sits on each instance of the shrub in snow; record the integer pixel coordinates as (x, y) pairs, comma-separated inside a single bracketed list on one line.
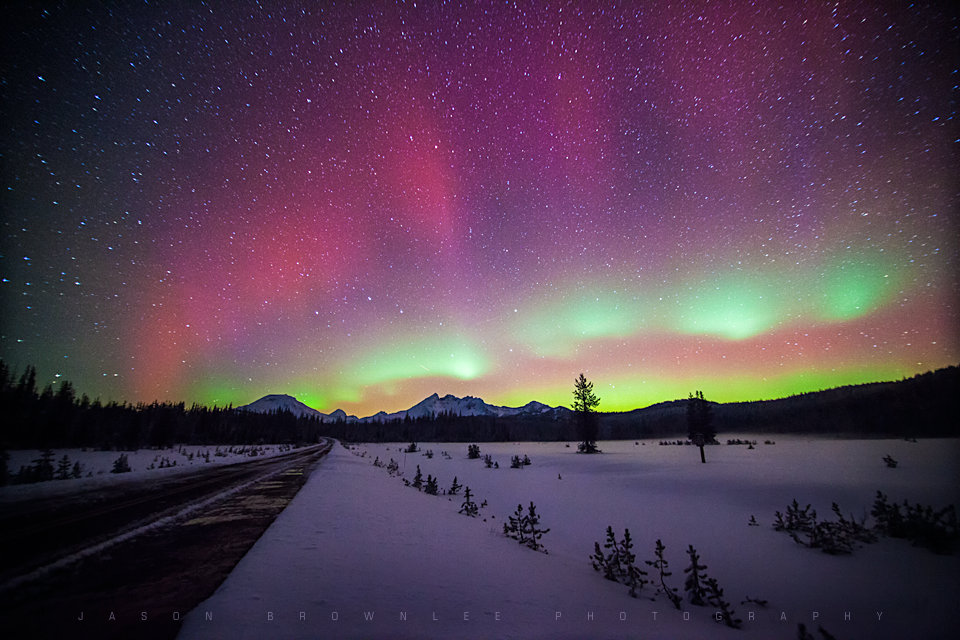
[(473, 452), (526, 460), (890, 461), (455, 487), (515, 462), (921, 524), (469, 507), (525, 528), (661, 566), (121, 465), (803, 634), (607, 561), (837, 537), (753, 522), (724, 610), (796, 519), (431, 486), (618, 562), (393, 467), (756, 601), (488, 461), (429, 454), (412, 448), (700, 588)]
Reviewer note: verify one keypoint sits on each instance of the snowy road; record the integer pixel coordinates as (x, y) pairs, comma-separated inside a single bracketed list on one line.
[(146, 550), (37, 533)]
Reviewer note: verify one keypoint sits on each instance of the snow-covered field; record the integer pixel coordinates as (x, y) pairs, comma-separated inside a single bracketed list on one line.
[(96, 466), (359, 555)]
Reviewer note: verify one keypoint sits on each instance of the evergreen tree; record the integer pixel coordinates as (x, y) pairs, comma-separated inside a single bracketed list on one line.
[(43, 466), (660, 565), (77, 470), (585, 406), (599, 561), (700, 422), (514, 527), (63, 468), (455, 487), (694, 581), (469, 507), (27, 386), (473, 452), (431, 486), (634, 576), (618, 563), (525, 528), (121, 465), (418, 480), (533, 530), (613, 570), (488, 461)]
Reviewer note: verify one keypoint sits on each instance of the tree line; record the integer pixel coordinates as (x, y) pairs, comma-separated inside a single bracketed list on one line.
[(59, 417), (46, 418)]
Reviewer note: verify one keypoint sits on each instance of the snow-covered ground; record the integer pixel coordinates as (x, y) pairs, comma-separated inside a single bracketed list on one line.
[(359, 555), (96, 466)]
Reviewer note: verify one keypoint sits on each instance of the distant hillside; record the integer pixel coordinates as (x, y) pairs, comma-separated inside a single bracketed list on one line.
[(924, 405)]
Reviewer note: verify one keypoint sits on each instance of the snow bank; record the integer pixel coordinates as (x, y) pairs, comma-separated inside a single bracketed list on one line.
[(359, 555), (96, 466)]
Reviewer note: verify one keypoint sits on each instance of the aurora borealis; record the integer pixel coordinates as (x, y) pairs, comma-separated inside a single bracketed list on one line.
[(364, 204)]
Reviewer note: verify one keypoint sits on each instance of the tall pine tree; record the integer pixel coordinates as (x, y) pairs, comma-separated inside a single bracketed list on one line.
[(585, 404), (700, 422)]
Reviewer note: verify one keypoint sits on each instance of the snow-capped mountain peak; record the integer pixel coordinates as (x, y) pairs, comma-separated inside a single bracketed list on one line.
[(280, 402), (430, 407)]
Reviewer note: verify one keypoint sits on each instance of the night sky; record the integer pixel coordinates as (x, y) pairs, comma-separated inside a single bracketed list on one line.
[(363, 205)]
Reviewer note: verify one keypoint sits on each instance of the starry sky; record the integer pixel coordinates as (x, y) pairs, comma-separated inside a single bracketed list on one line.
[(361, 204)]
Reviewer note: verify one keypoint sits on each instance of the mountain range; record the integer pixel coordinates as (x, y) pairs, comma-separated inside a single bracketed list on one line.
[(429, 407)]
